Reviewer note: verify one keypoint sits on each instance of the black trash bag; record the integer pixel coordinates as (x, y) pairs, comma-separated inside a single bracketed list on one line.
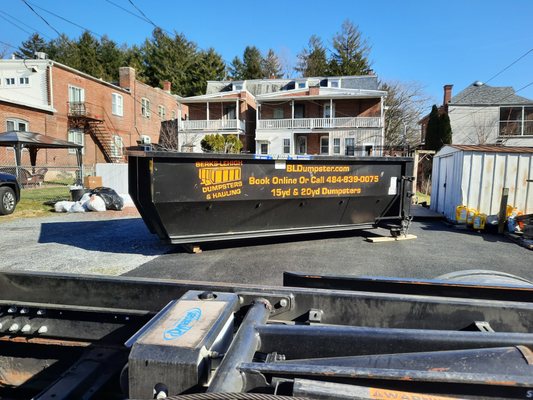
[(111, 199)]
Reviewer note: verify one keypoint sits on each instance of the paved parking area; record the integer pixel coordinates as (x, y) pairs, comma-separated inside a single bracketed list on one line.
[(113, 243)]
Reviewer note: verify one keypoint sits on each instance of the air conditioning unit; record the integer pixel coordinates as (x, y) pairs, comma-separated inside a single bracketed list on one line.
[(145, 139), (39, 55)]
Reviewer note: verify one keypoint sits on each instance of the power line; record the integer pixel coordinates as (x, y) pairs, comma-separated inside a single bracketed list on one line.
[(45, 21), (142, 18), (14, 24), (499, 101), (143, 14), (499, 72), (9, 45), (128, 11), (26, 25), (66, 20), (510, 65)]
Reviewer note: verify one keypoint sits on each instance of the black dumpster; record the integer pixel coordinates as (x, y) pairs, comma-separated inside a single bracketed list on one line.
[(193, 198)]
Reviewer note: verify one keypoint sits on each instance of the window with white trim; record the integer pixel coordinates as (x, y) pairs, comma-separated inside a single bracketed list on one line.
[(162, 112), (24, 80), (286, 146), (334, 83), (349, 146), (278, 113), (324, 145), (263, 147), (336, 146), (300, 84), (10, 81), (117, 146), (76, 136), (238, 86), (329, 112), (117, 104), (15, 124), (516, 121), (145, 107)]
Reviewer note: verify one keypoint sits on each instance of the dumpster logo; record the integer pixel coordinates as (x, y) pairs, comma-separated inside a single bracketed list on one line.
[(220, 179), (183, 325)]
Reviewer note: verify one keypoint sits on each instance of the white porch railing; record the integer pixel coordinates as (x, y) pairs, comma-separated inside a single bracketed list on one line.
[(212, 125), (312, 123)]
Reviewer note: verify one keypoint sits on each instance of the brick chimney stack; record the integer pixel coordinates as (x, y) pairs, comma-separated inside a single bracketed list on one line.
[(447, 95), (126, 77), (314, 90), (167, 86)]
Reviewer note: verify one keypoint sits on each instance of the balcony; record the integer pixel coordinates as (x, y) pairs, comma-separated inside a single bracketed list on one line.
[(212, 125), (320, 123)]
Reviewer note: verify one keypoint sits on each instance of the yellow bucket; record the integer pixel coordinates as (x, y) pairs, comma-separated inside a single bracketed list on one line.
[(470, 214), (479, 221), (460, 214)]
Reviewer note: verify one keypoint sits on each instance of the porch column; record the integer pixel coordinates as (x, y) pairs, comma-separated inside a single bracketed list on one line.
[(330, 112), (207, 111), (237, 114), (18, 158), (330, 144), (292, 111)]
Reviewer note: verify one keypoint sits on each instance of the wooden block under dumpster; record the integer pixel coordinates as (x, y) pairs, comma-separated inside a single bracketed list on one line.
[(92, 182)]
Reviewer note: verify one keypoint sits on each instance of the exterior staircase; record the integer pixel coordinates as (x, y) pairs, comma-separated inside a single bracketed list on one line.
[(104, 141)]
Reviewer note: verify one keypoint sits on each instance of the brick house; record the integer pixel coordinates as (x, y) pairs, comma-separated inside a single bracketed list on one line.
[(52, 99), (318, 115), (482, 114), (326, 116), (226, 108)]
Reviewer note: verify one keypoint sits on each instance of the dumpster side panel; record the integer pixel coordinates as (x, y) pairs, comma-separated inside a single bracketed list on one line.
[(212, 197)]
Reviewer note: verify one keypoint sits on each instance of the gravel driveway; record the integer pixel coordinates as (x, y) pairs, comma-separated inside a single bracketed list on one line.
[(117, 243)]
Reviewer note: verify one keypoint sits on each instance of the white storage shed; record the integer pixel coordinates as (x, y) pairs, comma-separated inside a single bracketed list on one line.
[(475, 175)]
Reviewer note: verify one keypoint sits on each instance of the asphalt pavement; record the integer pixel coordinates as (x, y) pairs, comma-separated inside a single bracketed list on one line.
[(113, 243)]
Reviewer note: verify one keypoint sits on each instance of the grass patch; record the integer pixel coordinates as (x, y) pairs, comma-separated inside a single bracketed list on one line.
[(423, 197), (32, 202)]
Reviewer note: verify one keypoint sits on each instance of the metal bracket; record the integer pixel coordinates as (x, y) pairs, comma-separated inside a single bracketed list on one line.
[(280, 304)]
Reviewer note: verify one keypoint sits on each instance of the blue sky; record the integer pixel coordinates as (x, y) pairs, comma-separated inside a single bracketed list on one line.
[(432, 43)]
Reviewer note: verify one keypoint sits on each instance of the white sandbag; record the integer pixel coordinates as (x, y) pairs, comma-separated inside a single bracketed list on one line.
[(77, 207), (96, 203), (63, 206)]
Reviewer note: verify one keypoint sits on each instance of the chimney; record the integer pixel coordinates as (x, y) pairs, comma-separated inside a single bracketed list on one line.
[(314, 90), (447, 95), (166, 86), (126, 77)]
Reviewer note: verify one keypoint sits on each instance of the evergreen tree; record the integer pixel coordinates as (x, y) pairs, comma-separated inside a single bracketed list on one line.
[(236, 69), (445, 129), (208, 65), (351, 51), (29, 47), (271, 65), (133, 57), (111, 58), (252, 61), (433, 141), (169, 59), (64, 51), (312, 61), (88, 49)]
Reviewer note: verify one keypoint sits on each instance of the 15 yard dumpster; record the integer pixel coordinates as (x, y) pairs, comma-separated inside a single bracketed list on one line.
[(194, 198)]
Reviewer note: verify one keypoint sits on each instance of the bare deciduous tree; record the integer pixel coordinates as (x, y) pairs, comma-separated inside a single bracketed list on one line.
[(405, 105)]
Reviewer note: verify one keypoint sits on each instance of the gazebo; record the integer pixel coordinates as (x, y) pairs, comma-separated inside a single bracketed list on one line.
[(33, 142)]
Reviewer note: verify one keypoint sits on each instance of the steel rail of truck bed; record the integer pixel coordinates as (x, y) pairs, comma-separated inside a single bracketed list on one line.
[(87, 337), (196, 197)]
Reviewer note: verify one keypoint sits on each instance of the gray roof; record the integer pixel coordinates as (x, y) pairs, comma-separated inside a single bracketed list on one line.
[(259, 87), (477, 94)]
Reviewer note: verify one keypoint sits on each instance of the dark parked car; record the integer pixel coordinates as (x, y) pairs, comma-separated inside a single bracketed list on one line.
[(9, 193)]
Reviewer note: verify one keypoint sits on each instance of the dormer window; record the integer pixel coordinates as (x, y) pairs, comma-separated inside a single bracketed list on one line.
[(239, 86), (334, 83), (300, 84)]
